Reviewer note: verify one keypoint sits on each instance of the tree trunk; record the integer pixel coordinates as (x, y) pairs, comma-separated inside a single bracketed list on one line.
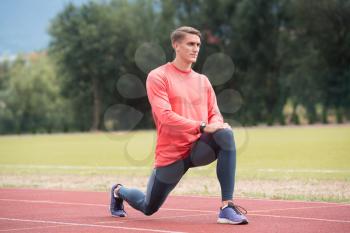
[(295, 117), (339, 115), (311, 113), (96, 105), (325, 114)]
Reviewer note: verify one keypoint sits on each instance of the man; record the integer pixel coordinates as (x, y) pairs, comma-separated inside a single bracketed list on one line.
[(190, 133)]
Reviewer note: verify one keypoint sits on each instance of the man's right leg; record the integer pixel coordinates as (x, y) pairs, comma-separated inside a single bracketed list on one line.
[(221, 146), (161, 182)]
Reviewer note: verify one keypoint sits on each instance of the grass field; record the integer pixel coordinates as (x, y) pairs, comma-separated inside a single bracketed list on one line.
[(311, 163)]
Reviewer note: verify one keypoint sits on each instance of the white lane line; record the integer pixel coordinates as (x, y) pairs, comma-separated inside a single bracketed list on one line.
[(89, 225), (296, 208), (72, 167), (170, 209), (53, 202), (293, 201), (264, 199), (193, 196), (252, 213), (29, 228), (301, 218), (88, 204), (190, 210), (69, 167), (99, 205), (157, 218), (272, 170)]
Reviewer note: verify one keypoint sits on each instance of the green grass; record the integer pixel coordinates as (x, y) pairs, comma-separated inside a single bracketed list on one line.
[(316, 157), (92, 149), (306, 152), (271, 153)]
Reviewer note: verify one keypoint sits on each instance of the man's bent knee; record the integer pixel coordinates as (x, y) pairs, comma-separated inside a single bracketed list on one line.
[(225, 139), (150, 211), (224, 131)]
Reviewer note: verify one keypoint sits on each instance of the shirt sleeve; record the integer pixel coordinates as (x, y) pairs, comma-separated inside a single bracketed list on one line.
[(214, 114), (158, 97)]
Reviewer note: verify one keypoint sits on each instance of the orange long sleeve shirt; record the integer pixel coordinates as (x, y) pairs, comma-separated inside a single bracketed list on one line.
[(180, 101)]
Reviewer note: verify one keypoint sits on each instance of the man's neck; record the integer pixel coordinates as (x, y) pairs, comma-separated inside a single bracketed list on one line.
[(181, 65)]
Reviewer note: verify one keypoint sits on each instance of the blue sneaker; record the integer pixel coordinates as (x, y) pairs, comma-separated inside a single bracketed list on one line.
[(116, 207), (232, 214)]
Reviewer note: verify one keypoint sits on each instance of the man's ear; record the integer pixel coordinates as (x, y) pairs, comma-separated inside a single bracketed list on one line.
[(175, 46)]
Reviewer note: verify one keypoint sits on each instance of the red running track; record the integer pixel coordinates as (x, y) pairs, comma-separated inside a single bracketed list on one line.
[(29, 210)]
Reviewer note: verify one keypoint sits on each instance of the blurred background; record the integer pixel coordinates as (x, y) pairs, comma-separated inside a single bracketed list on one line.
[(70, 66), (60, 61)]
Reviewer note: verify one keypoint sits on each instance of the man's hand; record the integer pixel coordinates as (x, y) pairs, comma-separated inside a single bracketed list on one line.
[(213, 127)]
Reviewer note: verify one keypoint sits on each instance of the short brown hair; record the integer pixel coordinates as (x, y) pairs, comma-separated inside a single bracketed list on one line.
[(179, 33)]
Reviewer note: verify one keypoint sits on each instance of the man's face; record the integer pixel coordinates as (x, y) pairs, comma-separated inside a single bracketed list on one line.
[(187, 49)]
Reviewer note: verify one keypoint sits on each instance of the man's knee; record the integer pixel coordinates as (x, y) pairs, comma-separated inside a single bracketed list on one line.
[(225, 132), (150, 211), (225, 139)]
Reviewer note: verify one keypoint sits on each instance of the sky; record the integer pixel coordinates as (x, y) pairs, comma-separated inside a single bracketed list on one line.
[(24, 24)]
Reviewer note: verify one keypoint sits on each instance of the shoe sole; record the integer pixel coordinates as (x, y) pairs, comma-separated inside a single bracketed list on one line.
[(118, 216), (227, 221), (122, 215)]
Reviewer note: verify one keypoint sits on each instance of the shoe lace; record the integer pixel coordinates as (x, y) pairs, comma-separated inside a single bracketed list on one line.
[(238, 209)]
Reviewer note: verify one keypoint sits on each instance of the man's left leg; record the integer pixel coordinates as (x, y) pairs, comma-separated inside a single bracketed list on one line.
[(161, 182)]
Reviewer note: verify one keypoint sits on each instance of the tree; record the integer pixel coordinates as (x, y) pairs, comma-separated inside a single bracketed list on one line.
[(31, 102), (6, 119), (257, 37), (94, 45), (324, 24)]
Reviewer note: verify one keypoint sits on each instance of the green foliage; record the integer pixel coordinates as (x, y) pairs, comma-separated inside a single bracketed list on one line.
[(94, 45), (257, 25), (285, 53), (323, 36), (31, 102)]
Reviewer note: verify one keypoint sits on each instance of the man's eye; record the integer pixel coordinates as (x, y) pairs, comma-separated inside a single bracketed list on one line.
[(194, 44)]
